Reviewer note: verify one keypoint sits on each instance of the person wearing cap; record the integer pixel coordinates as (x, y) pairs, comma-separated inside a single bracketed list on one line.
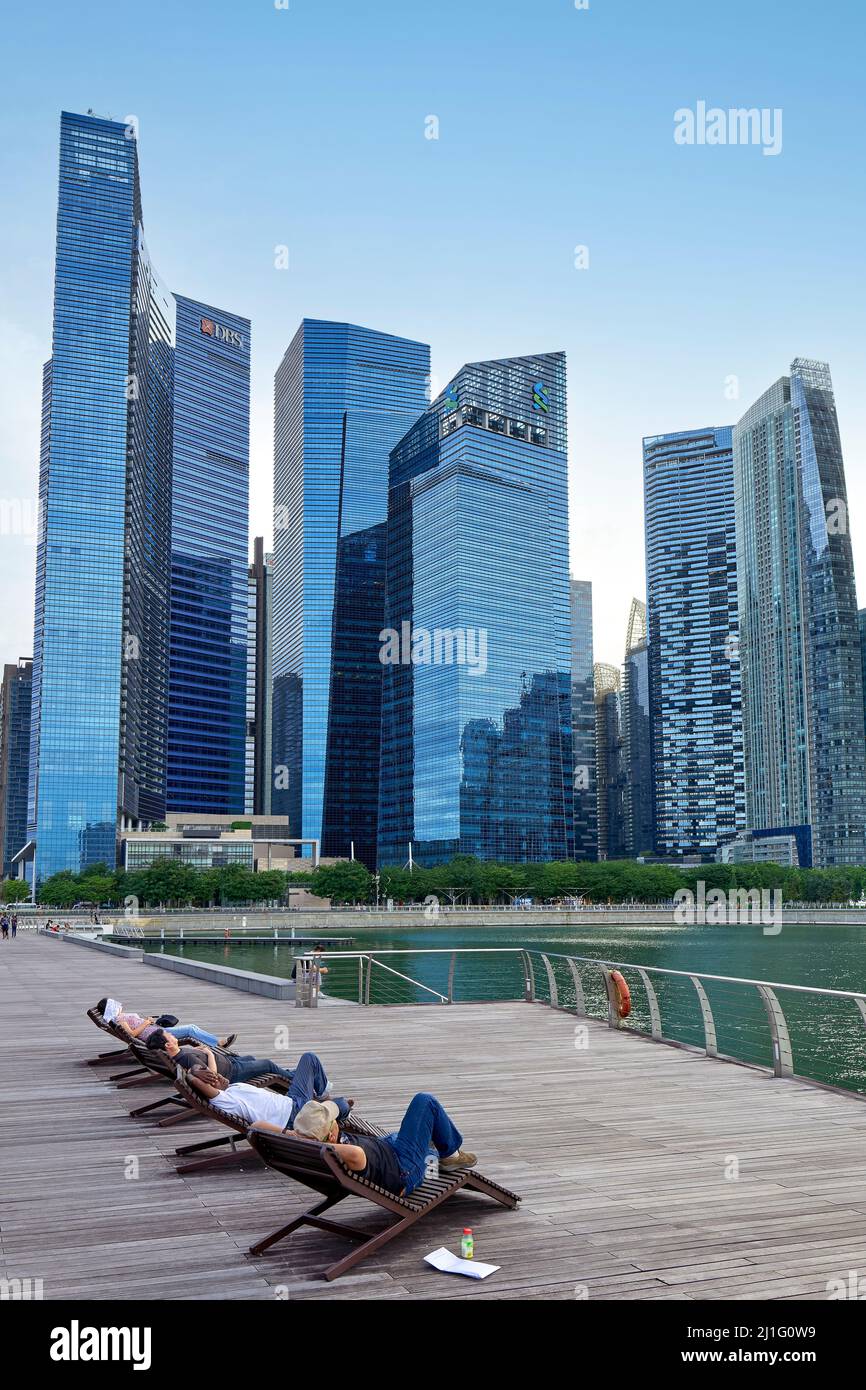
[(264, 1109), (398, 1161)]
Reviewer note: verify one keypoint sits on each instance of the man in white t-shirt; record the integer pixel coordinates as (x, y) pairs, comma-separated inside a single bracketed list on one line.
[(271, 1110)]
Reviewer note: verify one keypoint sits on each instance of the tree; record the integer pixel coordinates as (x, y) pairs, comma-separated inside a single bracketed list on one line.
[(14, 890), (345, 882)]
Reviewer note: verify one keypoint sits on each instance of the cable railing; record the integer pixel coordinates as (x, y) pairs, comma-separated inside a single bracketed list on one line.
[(789, 1030)]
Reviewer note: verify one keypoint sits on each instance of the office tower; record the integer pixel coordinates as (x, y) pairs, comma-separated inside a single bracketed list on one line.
[(142, 488), (476, 723), (15, 697), (209, 561), (635, 710), (344, 395), (694, 674), (102, 595), (799, 637), (258, 764), (861, 623), (583, 722), (610, 763)]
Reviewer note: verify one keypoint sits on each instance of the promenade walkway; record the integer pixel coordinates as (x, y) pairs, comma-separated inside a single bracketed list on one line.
[(624, 1152)]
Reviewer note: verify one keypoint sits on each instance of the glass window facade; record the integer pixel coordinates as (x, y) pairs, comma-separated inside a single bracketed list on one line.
[(694, 671), (100, 661), (476, 727), (344, 397), (15, 701), (635, 705), (583, 722), (610, 761), (196, 853), (800, 640), (209, 562)]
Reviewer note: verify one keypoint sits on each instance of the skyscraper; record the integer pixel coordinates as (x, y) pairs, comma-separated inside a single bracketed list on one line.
[(635, 710), (102, 592), (15, 697), (141, 390), (694, 674), (610, 763), (209, 561), (583, 722), (799, 637), (344, 396), (260, 639), (476, 725)]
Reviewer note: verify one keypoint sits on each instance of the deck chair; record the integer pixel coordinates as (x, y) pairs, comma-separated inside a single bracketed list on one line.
[(105, 1058), (238, 1148), (315, 1166), (162, 1068)]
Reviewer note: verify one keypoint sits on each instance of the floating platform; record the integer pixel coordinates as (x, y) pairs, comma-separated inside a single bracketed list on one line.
[(237, 937)]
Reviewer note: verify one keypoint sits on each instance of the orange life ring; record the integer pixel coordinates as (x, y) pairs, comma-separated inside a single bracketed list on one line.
[(623, 994)]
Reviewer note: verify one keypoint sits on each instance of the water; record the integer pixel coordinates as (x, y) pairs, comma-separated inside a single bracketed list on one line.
[(828, 1036)]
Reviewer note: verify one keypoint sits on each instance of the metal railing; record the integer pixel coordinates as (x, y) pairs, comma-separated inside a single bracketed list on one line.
[(790, 1030)]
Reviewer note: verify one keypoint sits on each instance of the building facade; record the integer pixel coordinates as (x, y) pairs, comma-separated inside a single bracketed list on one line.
[(102, 591), (610, 762), (693, 665), (209, 561), (259, 677), (639, 833), (344, 395), (799, 636), (142, 491), (15, 700), (583, 722), (476, 724)]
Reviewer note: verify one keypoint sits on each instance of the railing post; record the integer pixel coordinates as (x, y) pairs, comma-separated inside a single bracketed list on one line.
[(360, 979), (451, 966), (369, 978), (528, 978), (551, 982), (655, 1012), (613, 1018), (783, 1057), (712, 1046), (579, 1000)]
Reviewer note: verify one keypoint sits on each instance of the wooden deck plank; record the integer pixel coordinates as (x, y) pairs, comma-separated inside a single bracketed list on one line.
[(619, 1152)]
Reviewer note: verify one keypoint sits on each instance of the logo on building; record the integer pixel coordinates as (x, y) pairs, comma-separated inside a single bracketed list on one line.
[(450, 398), (222, 335), (540, 397)]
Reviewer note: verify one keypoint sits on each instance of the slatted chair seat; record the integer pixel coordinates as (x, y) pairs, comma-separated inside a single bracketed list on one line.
[(317, 1166), (200, 1104), (111, 1028)]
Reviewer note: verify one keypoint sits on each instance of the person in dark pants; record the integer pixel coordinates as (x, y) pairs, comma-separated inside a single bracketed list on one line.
[(396, 1162), (14, 927), (268, 1110), (230, 1065)]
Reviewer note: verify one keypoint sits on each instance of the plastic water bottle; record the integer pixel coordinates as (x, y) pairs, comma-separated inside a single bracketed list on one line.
[(467, 1244), (431, 1165)]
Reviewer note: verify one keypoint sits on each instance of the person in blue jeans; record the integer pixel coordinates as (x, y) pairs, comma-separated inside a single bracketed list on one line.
[(265, 1109), (230, 1065), (398, 1161)]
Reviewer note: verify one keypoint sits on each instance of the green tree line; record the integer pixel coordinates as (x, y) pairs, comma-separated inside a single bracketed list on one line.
[(463, 880)]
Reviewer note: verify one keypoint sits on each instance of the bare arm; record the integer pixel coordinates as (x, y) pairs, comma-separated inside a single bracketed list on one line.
[(266, 1125), (134, 1032), (352, 1156)]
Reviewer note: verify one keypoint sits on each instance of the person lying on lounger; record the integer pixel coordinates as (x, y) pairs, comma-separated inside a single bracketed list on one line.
[(143, 1028), (233, 1067), (398, 1161), (269, 1110)]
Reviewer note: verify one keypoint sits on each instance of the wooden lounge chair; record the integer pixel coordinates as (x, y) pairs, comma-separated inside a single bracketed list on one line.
[(315, 1166), (105, 1058), (199, 1102)]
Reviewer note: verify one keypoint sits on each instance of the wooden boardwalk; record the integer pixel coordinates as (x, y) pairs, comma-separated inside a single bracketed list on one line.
[(623, 1153)]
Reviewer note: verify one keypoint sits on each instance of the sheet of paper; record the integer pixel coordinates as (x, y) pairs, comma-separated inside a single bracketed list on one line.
[(452, 1264)]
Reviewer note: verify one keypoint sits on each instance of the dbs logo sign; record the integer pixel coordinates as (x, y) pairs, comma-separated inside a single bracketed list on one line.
[(222, 335)]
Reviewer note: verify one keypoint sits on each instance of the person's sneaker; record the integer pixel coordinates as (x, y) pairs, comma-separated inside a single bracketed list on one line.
[(461, 1159), (227, 1042)]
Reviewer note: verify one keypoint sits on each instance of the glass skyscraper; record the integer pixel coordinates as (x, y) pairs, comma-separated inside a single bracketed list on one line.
[(344, 395), (209, 561), (259, 679), (583, 722), (102, 592), (635, 707), (122, 413), (610, 762), (476, 724), (15, 699), (694, 672), (799, 635)]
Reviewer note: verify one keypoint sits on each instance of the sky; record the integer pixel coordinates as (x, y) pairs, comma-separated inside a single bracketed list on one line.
[(705, 268)]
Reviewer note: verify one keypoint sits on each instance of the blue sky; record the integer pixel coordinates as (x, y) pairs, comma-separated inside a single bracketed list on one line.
[(305, 127)]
